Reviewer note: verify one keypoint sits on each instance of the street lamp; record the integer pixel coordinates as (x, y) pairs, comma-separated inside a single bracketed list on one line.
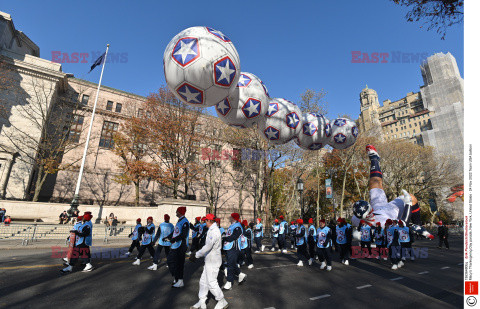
[(300, 190)]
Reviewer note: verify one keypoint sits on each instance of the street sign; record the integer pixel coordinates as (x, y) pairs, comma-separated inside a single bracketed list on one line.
[(328, 188)]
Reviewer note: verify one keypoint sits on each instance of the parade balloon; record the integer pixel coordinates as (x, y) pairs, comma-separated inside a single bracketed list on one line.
[(201, 66), (313, 135), (247, 104), (344, 133), (282, 122)]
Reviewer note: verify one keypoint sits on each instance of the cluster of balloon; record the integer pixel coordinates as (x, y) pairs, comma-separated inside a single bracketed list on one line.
[(202, 69)]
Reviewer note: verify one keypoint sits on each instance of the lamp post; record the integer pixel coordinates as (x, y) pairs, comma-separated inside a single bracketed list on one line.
[(255, 201), (300, 190)]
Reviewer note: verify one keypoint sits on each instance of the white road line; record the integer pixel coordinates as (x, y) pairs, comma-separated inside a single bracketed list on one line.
[(460, 264), (270, 308), (319, 297), (363, 286), (398, 278), (423, 273), (276, 266), (446, 267)]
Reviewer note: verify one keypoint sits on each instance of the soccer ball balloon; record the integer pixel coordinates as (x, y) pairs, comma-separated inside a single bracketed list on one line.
[(247, 104), (283, 121), (201, 66), (313, 135), (344, 133)]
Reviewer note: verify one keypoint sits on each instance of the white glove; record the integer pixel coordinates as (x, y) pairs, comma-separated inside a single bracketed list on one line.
[(356, 235), (406, 198)]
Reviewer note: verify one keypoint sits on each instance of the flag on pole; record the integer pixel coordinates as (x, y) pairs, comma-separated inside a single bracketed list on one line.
[(97, 62)]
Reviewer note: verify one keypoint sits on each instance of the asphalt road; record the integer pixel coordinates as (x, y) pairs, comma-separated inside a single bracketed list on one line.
[(31, 279)]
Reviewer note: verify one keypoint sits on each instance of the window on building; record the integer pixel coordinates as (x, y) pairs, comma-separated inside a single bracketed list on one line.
[(108, 130), (140, 113), (75, 97), (109, 105), (424, 122), (415, 124), (118, 108), (236, 160), (410, 125), (85, 99), (391, 131), (395, 135), (396, 129), (75, 129)]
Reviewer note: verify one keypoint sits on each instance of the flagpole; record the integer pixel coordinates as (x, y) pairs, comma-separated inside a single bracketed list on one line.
[(74, 204)]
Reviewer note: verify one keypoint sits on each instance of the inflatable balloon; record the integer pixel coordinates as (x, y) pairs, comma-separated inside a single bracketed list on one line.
[(247, 104), (201, 66), (282, 122), (313, 135), (344, 133)]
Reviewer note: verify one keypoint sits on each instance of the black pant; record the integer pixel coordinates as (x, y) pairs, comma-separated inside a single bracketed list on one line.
[(281, 241), (302, 252), (81, 251), (176, 261), (381, 249), (275, 240), (135, 244), (248, 256), (443, 239), (143, 248), (258, 242), (394, 253), (158, 251), (292, 241), (195, 244), (311, 247), (232, 268), (344, 251), (366, 244), (324, 254)]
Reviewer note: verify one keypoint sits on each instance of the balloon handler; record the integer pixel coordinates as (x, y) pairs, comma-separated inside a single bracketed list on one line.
[(82, 244)]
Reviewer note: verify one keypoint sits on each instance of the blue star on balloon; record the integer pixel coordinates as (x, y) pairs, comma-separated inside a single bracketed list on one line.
[(293, 120), (224, 72), (340, 138), (271, 133), (340, 122), (244, 80), (224, 107), (251, 108), (309, 129), (315, 146), (218, 34), (328, 130), (355, 131), (272, 109), (185, 51)]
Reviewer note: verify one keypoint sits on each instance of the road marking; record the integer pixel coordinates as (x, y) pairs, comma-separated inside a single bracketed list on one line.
[(398, 278), (320, 297), (446, 267), (363, 286), (276, 266), (29, 266), (270, 308), (423, 273), (460, 264)]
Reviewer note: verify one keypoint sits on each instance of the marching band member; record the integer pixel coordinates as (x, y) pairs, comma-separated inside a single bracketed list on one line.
[(179, 240), (134, 235), (82, 244), (232, 248), (282, 233), (324, 244), (311, 240), (344, 239), (147, 241), (275, 230), (259, 235), (301, 242), (164, 229)]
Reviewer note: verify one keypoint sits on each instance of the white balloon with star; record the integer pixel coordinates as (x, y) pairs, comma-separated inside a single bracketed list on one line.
[(315, 132), (344, 133), (247, 104), (283, 122), (201, 66)]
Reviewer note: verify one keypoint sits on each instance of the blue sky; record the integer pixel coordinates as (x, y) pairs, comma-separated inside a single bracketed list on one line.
[(291, 45)]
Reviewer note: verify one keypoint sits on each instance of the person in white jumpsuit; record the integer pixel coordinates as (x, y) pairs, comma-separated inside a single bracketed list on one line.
[(213, 260)]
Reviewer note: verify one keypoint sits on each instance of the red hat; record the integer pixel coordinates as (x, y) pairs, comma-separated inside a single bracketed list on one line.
[(293, 222), (235, 216), (276, 220), (322, 220), (198, 218), (389, 222), (139, 220), (281, 217), (440, 222), (310, 220), (79, 218), (166, 217), (210, 217), (379, 224), (299, 221), (339, 219), (217, 220), (87, 216), (400, 222), (88, 212), (245, 222), (150, 218), (203, 218), (259, 219), (182, 210)]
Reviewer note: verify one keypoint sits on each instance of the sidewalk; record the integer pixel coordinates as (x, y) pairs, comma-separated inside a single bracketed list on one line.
[(9, 244)]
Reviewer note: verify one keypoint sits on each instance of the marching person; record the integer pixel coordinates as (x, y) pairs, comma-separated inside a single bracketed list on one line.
[(392, 243), (293, 232), (282, 235), (195, 240), (231, 245), (379, 235), (324, 245), (249, 237), (147, 241), (301, 242), (82, 244), (311, 240), (135, 235), (202, 232), (275, 230), (406, 238), (213, 259), (222, 230), (179, 240), (365, 236), (442, 233), (164, 229), (75, 227), (259, 236), (344, 239)]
